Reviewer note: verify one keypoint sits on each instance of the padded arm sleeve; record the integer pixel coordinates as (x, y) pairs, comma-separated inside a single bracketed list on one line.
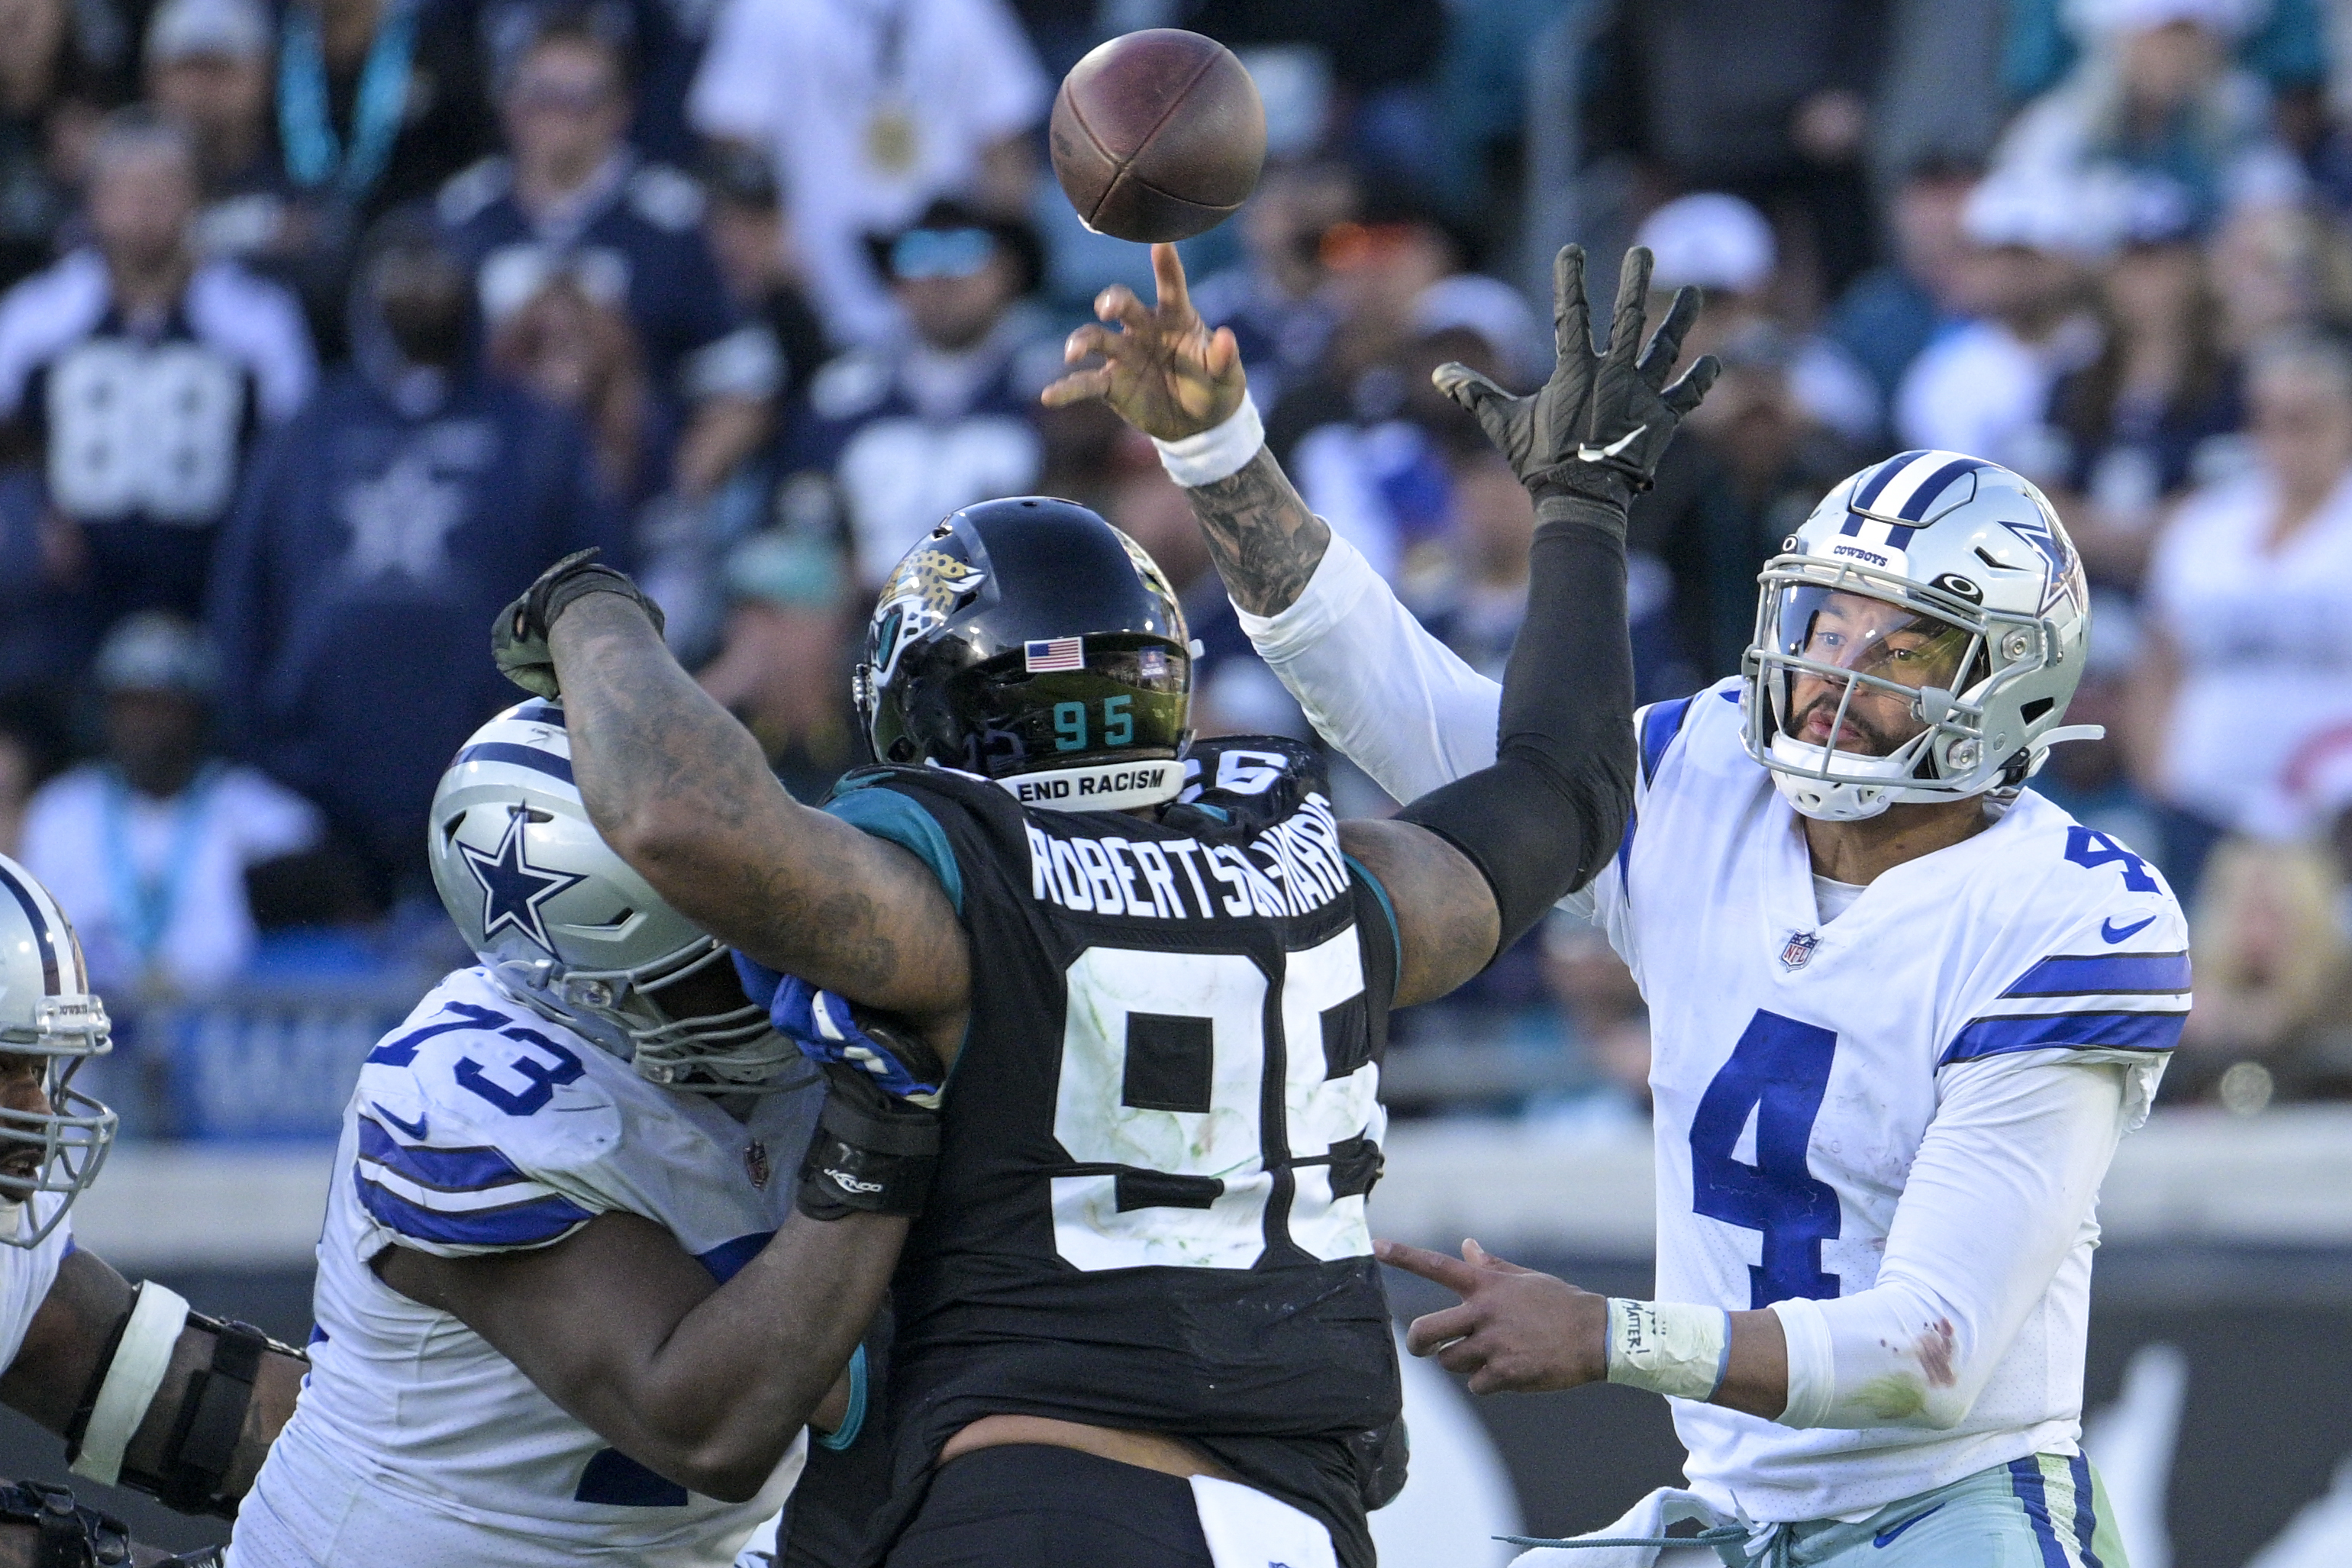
[(2002, 1188), (1548, 813)]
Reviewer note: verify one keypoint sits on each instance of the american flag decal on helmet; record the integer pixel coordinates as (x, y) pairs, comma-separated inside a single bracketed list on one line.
[(1046, 654)]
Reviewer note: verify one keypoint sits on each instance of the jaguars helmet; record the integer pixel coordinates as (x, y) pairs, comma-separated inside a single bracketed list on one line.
[(569, 930), (1028, 641), (1944, 583), (46, 1012)]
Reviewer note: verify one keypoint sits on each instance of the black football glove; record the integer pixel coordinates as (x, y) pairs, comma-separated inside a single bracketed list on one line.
[(519, 637), (1598, 427), (872, 1152)]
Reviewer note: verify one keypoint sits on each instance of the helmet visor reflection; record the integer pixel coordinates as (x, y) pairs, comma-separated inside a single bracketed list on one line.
[(1849, 661)]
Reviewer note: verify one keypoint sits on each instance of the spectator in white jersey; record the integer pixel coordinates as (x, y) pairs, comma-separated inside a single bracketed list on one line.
[(139, 375), (1938, 1000)]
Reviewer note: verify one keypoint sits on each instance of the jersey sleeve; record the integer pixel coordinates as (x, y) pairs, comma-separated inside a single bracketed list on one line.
[(480, 1135), (1373, 680), (899, 819), (2113, 988)]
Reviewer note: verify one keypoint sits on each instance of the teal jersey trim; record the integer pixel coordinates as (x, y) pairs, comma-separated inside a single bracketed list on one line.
[(843, 1435), (1396, 937), (891, 816)]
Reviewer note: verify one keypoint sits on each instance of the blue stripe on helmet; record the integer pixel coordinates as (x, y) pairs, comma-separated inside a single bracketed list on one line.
[(530, 757), (1934, 485), (537, 713), (1885, 477), (44, 935)]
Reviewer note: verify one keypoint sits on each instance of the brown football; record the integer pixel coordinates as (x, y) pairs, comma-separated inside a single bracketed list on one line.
[(1158, 135)]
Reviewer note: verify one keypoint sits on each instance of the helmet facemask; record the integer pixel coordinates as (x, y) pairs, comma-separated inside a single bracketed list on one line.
[(735, 1051), (70, 1141), (1867, 689)]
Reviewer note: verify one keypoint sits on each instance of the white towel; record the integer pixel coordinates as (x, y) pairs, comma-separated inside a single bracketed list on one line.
[(1651, 1517), (1247, 1529)]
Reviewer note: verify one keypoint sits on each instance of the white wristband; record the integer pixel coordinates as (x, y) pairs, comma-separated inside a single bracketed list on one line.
[(1217, 453), (1669, 1348), (140, 1359)]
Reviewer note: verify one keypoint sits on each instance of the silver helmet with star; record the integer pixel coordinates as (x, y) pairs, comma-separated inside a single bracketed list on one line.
[(565, 927)]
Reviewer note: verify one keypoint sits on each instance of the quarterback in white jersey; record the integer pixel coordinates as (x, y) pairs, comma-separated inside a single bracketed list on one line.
[(565, 1308), (1902, 1008)]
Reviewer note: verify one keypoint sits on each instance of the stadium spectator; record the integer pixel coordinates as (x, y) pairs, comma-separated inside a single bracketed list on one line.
[(1724, 246), (784, 664), (662, 38), (1778, 119), (379, 101), (2156, 106), (44, 85), (139, 373), (2250, 615), (1983, 387), (1893, 310), (149, 845), (579, 353), (946, 416), (2273, 972), (574, 201), (2277, 261), (743, 223), (1275, 300), (381, 530), (869, 111), (1608, 1027), (2134, 421)]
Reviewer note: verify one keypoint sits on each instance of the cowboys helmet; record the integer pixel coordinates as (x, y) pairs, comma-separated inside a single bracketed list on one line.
[(1917, 640), (47, 1011), (1030, 642), (568, 929)]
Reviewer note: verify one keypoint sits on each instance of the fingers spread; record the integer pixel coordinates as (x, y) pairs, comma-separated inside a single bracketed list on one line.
[(1090, 339), (1435, 1266), (1667, 342), (1076, 387), (1168, 272), (1495, 408), (1224, 353), (1633, 300), (1571, 324), (1118, 303), (1684, 395)]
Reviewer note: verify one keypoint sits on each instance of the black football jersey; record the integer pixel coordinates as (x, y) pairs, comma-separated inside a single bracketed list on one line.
[(1158, 1136)]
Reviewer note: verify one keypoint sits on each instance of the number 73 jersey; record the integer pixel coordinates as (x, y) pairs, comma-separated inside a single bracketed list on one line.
[(1798, 1064)]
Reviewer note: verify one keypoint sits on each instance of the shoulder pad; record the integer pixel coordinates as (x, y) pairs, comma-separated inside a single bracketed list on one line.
[(665, 198), (1246, 782), (470, 191), (849, 384)]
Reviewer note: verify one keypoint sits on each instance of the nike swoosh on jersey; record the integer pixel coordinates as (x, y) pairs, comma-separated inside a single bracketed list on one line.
[(1885, 1538), (1594, 454), (2107, 928), (416, 1131)]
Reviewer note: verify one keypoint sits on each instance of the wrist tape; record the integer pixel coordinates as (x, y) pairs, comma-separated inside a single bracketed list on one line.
[(1217, 453), (111, 1413), (1669, 1347), (870, 1152)]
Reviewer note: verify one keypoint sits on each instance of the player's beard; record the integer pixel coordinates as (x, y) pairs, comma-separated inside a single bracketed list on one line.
[(1877, 742)]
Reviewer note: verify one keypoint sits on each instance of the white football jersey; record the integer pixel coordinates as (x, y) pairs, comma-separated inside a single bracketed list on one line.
[(26, 1273), (479, 1126), (1797, 1065)]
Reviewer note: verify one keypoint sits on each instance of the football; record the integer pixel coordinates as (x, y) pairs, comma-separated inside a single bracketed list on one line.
[(1158, 135)]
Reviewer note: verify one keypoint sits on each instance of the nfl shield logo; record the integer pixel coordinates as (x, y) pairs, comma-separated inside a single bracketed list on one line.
[(755, 1163), (1799, 950)]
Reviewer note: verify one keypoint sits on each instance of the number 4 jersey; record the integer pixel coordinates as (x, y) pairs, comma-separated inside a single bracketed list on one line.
[(479, 1127), (1150, 1206), (1799, 1062)]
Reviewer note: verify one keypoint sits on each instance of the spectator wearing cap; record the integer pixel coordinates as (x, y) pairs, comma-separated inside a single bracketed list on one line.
[(150, 846), (2155, 102), (1722, 246), (1893, 310), (894, 438), (380, 532), (743, 222), (2134, 425), (2249, 616), (141, 372), (1983, 387), (574, 205), (869, 109), (784, 666), (1277, 298)]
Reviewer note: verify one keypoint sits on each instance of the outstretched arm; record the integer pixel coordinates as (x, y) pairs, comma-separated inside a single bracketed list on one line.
[(681, 791)]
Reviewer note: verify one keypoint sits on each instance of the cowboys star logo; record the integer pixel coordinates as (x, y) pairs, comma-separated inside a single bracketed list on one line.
[(513, 888)]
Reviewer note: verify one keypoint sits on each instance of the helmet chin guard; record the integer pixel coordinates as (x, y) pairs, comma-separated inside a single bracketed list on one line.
[(48, 1014), (1943, 587)]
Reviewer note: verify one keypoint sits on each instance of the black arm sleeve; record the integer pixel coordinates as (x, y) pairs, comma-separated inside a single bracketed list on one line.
[(1545, 818)]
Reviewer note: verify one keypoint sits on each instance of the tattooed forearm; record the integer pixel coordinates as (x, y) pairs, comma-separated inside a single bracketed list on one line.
[(1266, 542), (682, 793)]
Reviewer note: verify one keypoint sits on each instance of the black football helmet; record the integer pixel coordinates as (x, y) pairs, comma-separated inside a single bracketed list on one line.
[(1028, 641)]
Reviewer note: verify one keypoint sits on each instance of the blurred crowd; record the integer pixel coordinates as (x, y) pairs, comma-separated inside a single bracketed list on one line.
[(327, 322)]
